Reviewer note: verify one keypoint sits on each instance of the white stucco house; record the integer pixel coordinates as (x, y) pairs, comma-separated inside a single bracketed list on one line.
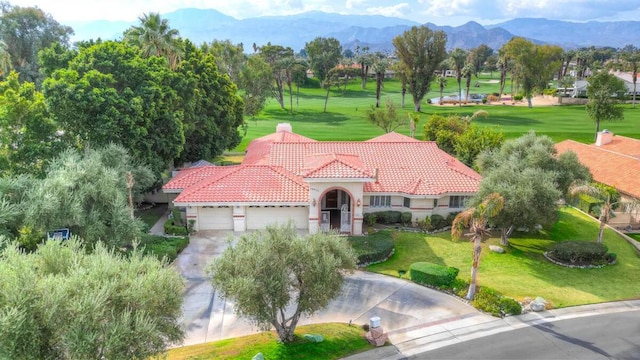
[(323, 185)]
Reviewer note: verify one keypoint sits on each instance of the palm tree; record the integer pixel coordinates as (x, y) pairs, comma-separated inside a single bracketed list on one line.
[(442, 82), (457, 59), (631, 55), (5, 60), (600, 193), (467, 72), (476, 219), (154, 37)]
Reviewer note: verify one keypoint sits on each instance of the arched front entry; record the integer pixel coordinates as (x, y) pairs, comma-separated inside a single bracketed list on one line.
[(336, 212)]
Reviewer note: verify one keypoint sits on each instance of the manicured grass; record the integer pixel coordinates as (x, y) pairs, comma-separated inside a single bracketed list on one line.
[(152, 215), (523, 271), (340, 340), (345, 119), (636, 237)]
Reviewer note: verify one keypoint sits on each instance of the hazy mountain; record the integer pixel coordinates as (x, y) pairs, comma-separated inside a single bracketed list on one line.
[(571, 34), (377, 32)]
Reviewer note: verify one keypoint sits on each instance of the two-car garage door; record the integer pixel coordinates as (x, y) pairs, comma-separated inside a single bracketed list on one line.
[(215, 218), (221, 218), (260, 217)]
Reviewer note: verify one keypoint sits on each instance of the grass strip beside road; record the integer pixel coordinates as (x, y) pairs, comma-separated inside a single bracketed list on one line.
[(340, 340)]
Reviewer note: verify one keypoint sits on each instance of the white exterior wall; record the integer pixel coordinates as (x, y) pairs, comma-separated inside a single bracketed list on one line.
[(239, 218), (317, 190), (215, 218), (260, 217)]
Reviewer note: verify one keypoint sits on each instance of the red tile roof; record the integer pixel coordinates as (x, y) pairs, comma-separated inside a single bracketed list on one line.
[(190, 176), (334, 166), (275, 165), (258, 150), (248, 183), (393, 137), (398, 164), (608, 164)]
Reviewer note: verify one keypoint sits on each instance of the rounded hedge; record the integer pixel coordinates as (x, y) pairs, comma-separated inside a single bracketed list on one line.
[(426, 273), (579, 252)]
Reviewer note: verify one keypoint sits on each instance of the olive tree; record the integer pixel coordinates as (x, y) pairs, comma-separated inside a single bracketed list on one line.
[(274, 276), (65, 302)]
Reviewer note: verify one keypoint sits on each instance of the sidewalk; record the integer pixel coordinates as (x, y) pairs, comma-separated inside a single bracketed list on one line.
[(453, 331)]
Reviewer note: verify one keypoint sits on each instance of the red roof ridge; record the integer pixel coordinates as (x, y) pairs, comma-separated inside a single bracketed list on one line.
[(227, 171), (335, 158), (393, 137)]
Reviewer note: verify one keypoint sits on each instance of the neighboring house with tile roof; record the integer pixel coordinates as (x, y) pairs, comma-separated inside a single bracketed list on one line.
[(322, 185), (613, 160)]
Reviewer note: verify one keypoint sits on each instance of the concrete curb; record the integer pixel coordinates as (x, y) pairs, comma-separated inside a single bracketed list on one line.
[(460, 330)]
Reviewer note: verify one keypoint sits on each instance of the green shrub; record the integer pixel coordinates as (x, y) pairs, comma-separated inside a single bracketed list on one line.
[(389, 217), (176, 215), (450, 217), (171, 228), (372, 248), (487, 300), (370, 219), (426, 273), (425, 224), (438, 221), (164, 247), (518, 97), (572, 252), (610, 258), (509, 306), (406, 217)]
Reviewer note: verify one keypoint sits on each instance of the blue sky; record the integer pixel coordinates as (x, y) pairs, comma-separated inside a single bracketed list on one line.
[(440, 12)]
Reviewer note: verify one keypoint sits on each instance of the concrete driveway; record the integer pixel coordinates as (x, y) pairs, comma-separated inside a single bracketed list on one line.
[(404, 307)]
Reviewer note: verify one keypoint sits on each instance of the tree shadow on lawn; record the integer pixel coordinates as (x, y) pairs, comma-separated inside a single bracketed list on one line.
[(503, 120), (310, 116), (573, 286)]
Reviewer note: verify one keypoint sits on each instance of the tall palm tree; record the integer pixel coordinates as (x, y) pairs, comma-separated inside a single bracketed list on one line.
[(154, 37), (476, 219), (631, 55), (457, 59), (442, 82), (467, 72)]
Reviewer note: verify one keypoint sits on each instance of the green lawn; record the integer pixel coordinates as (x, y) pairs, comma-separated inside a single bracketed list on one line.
[(636, 237), (152, 215), (345, 117), (522, 271), (340, 340)]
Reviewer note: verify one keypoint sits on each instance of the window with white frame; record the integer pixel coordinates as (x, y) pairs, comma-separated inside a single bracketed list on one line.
[(457, 202), (407, 202), (380, 201)]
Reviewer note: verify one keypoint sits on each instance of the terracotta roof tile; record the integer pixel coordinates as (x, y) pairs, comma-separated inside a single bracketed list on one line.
[(187, 177), (250, 184), (334, 166), (393, 137), (607, 166), (398, 164)]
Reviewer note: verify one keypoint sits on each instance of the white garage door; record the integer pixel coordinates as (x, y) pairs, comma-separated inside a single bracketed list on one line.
[(215, 218), (260, 217)]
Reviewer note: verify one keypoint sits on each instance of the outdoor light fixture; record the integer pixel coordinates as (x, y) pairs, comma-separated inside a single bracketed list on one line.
[(358, 203), (313, 203)]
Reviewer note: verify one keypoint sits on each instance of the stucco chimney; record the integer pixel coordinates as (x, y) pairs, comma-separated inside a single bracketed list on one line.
[(604, 137), (284, 127)]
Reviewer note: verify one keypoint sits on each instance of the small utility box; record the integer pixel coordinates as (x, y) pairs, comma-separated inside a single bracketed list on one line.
[(374, 322)]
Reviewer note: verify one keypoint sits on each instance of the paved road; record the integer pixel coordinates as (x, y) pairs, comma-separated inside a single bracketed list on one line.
[(405, 308), (606, 336)]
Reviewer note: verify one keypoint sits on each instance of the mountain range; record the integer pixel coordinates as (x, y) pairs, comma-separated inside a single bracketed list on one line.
[(374, 31)]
